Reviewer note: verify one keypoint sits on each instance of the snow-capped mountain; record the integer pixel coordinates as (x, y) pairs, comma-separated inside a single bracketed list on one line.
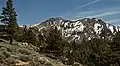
[(80, 29)]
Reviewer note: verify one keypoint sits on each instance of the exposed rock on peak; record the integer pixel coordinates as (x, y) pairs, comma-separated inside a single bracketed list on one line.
[(54, 21)]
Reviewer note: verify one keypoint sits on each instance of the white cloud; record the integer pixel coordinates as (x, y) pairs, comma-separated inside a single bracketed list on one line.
[(114, 21), (79, 7), (102, 14), (88, 4), (93, 2), (81, 14), (77, 13), (85, 12), (97, 13)]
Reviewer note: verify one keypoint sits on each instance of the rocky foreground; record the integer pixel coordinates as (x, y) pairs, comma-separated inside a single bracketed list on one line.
[(24, 54)]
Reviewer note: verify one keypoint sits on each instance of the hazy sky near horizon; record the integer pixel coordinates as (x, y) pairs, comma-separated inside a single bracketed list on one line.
[(36, 11)]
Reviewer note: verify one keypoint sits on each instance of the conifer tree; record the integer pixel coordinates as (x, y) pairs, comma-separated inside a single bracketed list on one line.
[(9, 18)]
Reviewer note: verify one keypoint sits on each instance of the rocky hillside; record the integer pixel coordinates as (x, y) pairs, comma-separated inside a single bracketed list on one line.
[(24, 54), (80, 29)]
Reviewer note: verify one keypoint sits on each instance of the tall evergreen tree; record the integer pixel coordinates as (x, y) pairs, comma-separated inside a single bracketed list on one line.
[(9, 18)]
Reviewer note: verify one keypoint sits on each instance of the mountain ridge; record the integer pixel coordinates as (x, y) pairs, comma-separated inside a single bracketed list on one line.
[(80, 29)]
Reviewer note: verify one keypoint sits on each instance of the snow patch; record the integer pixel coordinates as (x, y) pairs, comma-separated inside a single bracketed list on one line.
[(86, 20), (34, 25), (78, 26), (92, 32), (41, 28), (96, 19), (61, 21), (66, 24), (58, 27), (116, 29), (77, 37), (89, 38), (77, 23), (107, 25), (97, 28), (21, 26), (68, 35), (111, 28), (103, 37)]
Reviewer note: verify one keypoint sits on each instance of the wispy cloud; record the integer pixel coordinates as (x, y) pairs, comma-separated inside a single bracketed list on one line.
[(97, 13), (114, 21), (106, 13), (102, 14), (93, 2), (69, 13), (88, 4), (85, 12)]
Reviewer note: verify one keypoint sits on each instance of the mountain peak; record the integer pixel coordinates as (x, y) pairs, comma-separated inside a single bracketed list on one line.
[(50, 21)]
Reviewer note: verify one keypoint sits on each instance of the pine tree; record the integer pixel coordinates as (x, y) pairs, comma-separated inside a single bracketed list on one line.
[(9, 18)]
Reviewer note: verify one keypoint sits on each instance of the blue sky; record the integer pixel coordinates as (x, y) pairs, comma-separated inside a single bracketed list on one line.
[(36, 11)]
